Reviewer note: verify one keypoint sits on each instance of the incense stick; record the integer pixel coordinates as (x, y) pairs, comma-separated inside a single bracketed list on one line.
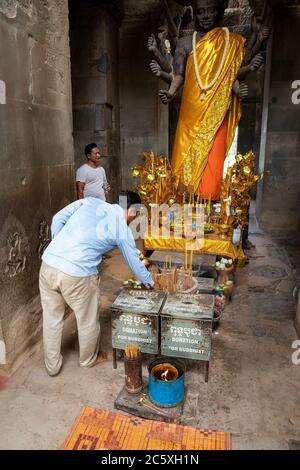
[(191, 262)]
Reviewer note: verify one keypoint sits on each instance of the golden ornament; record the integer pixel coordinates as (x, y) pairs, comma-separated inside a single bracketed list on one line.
[(135, 172), (151, 177)]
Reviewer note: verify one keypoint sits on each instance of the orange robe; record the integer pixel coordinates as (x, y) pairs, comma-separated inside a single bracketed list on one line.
[(211, 180)]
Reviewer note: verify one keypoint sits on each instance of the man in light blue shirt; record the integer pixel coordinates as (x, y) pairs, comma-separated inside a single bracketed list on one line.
[(82, 232)]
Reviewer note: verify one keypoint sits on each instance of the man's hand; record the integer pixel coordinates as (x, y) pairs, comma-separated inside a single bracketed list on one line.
[(107, 188), (165, 96)]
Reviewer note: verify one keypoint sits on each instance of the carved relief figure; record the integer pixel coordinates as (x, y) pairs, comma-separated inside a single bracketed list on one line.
[(16, 260), (44, 237)]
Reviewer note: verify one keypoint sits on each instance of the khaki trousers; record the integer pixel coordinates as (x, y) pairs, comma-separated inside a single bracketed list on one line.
[(82, 294)]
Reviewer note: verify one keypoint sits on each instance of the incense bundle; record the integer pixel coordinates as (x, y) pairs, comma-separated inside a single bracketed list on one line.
[(132, 351)]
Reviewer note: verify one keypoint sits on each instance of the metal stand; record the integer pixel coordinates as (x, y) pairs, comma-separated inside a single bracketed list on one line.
[(114, 358), (206, 371)]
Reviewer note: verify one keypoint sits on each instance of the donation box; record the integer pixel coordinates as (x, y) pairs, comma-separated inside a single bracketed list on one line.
[(135, 319), (186, 326)]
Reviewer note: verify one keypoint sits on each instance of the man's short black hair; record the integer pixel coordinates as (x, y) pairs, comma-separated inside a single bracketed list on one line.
[(132, 198), (89, 148)]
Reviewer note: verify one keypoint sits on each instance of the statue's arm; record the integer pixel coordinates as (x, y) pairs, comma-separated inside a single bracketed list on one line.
[(158, 72), (152, 46), (179, 65), (166, 77), (255, 63), (173, 31)]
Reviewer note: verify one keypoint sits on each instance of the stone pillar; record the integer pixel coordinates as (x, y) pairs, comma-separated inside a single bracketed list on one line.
[(94, 58), (143, 118), (279, 193), (36, 158)]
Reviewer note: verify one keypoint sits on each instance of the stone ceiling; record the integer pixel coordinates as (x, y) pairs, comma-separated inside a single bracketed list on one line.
[(130, 9)]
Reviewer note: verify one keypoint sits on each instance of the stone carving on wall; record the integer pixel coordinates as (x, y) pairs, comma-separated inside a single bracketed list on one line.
[(44, 237), (16, 262)]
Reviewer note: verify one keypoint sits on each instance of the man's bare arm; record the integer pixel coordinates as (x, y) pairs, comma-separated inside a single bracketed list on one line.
[(80, 187)]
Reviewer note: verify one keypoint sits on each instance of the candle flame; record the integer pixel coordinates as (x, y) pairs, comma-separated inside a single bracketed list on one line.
[(164, 375)]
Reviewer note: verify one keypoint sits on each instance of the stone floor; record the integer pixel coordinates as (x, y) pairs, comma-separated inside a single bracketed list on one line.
[(254, 388)]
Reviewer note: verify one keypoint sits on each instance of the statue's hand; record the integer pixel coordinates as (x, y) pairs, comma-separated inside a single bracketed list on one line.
[(240, 89), (165, 96), (254, 25), (256, 62), (162, 36), (243, 91), (152, 44), (155, 68), (264, 32), (187, 14)]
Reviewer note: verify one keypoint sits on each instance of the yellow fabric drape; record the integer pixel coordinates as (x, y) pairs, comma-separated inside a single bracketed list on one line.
[(199, 120), (211, 244)]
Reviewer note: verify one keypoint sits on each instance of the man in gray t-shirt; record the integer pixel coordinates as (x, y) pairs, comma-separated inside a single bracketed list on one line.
[(91, 179)]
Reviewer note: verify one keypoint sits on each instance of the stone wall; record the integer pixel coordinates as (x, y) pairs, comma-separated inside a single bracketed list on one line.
[(279, 193), (94, 58), (36, 157), (143, 118)]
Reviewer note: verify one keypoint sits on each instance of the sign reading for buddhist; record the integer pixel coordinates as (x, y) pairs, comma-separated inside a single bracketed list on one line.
[(135, 319), (186, 326)]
